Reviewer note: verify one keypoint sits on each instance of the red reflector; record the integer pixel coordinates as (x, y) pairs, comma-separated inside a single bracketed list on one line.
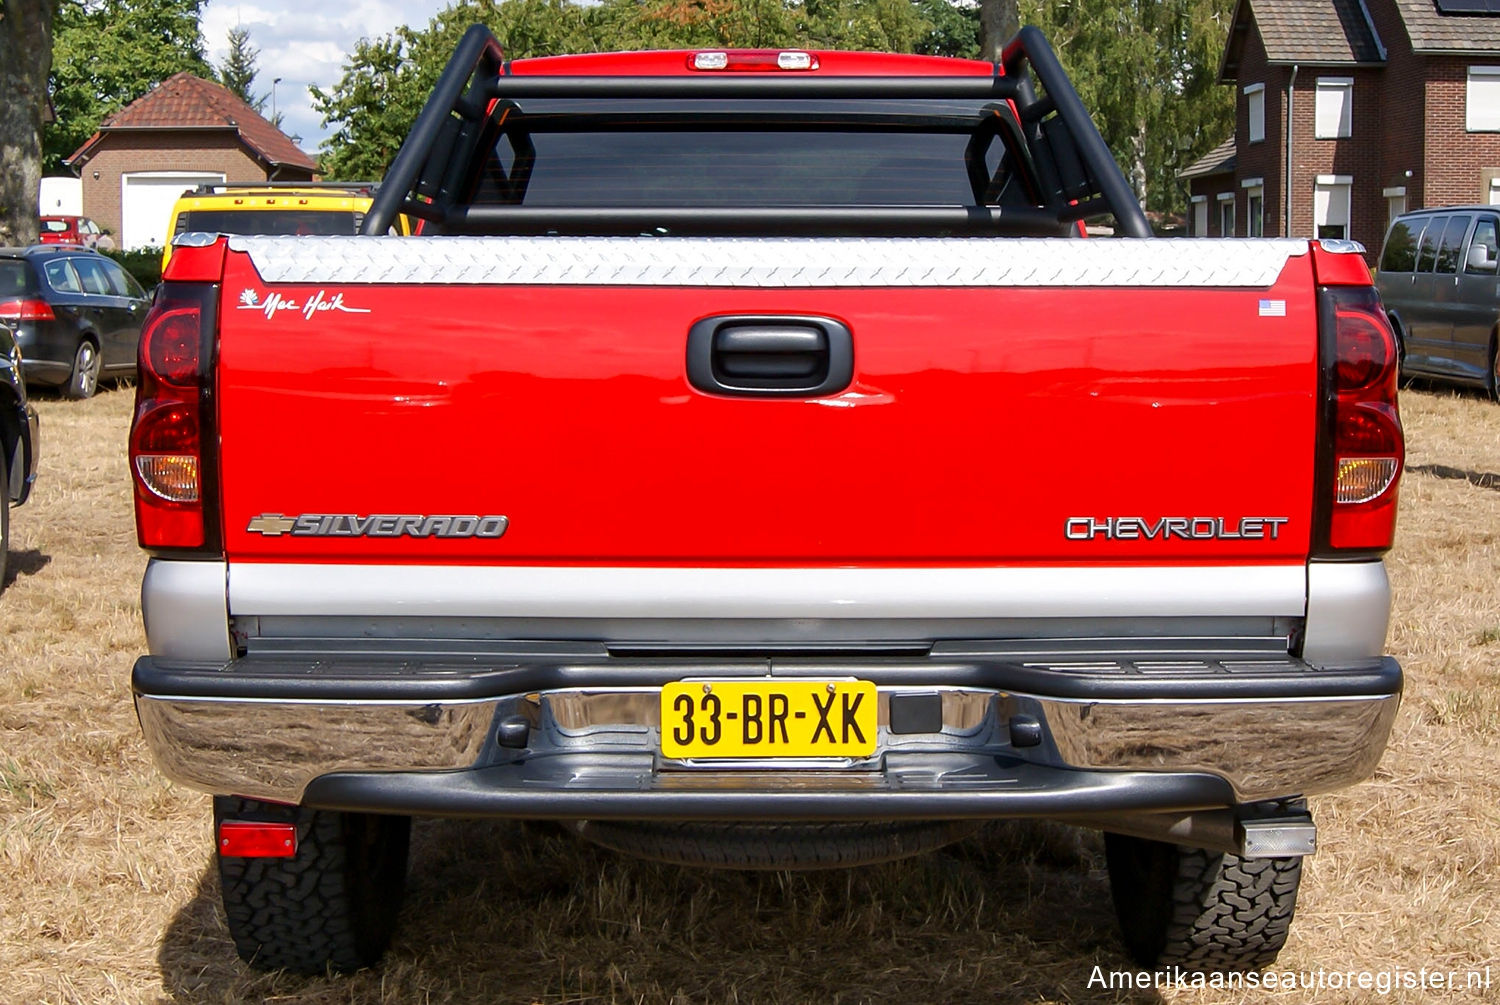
[(1366, 352), (1367, 428), (172, 344), (26, 310), (167, 427), (256, 839)]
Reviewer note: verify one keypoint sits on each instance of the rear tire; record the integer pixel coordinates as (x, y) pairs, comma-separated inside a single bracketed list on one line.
[(1203, 911), (83, 381), (4, 524), (1494, 387), (331, 907), (774, 845)]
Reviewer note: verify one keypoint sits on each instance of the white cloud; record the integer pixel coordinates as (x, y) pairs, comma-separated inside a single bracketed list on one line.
[(304, 48)]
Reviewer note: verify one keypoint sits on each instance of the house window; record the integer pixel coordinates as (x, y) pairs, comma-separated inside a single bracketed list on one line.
[(1335, 108), (1255, 105), (1395, 202), (1482, 102), (1331, 206), (1200, 216), (1226, 214), (1494, 199), (1255, 206)]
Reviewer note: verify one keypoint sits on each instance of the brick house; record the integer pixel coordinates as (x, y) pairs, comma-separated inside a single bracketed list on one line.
[(1392, 105), (185, 132)]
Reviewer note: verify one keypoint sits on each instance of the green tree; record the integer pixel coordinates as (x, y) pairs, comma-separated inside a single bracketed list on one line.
[(107, 53), (25, 54), (1147, 71), (954, 31), (237, 71)]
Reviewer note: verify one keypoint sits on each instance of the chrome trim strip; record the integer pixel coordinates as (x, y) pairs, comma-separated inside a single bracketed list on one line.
[(186, 609), (273, 589), (770, 262), (1348, 612)]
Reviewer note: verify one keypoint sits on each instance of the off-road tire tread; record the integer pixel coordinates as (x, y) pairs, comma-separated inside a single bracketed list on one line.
[(1226, 913), (792, 845), (332, 907)]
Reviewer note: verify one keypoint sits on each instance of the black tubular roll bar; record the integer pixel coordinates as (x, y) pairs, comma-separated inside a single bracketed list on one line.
[(1063, 162)]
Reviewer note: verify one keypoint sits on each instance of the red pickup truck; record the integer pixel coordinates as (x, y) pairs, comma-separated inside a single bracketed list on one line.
[(752, 465)]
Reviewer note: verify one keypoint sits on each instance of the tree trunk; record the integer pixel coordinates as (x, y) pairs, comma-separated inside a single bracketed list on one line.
[(998, 24), (25, 60), (1140, 177)]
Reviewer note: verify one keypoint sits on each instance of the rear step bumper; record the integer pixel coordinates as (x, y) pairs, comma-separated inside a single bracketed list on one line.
[(911, 786), (972, 738)]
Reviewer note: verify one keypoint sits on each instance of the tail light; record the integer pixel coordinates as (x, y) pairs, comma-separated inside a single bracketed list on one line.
[(26, 310), (172, 437), (1361, 444)]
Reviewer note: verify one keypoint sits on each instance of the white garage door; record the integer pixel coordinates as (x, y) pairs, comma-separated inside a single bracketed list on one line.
[(146, 199)]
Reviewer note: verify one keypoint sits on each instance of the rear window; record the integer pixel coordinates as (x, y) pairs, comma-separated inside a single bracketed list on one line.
[(15, 279), (55, 226), (744, 169), (1400, 248), (560, 154), (1453, 242), (269, 222)]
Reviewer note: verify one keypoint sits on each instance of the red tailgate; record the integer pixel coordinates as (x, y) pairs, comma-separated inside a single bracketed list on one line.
[(981, 425)]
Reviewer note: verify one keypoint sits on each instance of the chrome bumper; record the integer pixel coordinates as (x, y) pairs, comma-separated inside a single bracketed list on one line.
[(581, 739)]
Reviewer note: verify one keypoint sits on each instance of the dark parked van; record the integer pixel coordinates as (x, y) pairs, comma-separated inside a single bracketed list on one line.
[(1438, 279)]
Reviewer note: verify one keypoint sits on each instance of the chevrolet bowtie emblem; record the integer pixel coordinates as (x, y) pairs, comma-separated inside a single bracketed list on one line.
[(270, 524)]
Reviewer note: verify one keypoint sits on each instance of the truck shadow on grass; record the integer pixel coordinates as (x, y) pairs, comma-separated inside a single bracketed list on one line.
[(1479, 479), (23, 562), (511, 912)]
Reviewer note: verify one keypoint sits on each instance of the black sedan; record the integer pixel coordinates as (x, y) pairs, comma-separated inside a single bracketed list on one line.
[(75, 314), (18, 433)]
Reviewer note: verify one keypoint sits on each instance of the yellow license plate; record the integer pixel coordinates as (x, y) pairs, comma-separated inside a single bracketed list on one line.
[(768, 718)]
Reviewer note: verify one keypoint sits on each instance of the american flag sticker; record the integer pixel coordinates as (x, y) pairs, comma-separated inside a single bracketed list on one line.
[(1273, 308)]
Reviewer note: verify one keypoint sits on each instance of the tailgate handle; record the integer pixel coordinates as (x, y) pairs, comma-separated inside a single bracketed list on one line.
[(775, 357)]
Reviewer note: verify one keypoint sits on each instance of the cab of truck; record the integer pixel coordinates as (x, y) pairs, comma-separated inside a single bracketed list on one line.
[(319, 209)]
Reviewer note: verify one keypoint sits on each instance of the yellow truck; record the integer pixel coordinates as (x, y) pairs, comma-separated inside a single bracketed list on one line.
[(274, 208)]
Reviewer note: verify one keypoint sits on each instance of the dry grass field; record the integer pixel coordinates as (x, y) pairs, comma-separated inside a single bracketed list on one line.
[(107, 892)]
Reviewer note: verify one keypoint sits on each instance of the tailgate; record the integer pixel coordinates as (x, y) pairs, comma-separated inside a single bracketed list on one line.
[(1043, 402)]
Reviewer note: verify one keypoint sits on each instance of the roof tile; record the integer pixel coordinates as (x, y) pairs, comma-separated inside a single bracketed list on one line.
[(1433, 31), (1317, 31), (185, 101), (1219, 160)]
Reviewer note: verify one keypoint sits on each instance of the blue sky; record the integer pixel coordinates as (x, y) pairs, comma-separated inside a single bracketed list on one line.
[(303, 44)]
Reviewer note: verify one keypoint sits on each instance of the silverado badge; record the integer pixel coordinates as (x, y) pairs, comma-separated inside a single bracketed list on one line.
[(376, 525)]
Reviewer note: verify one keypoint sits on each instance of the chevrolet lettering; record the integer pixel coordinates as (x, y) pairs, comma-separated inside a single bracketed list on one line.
[(376, 525), (1187, 528)]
